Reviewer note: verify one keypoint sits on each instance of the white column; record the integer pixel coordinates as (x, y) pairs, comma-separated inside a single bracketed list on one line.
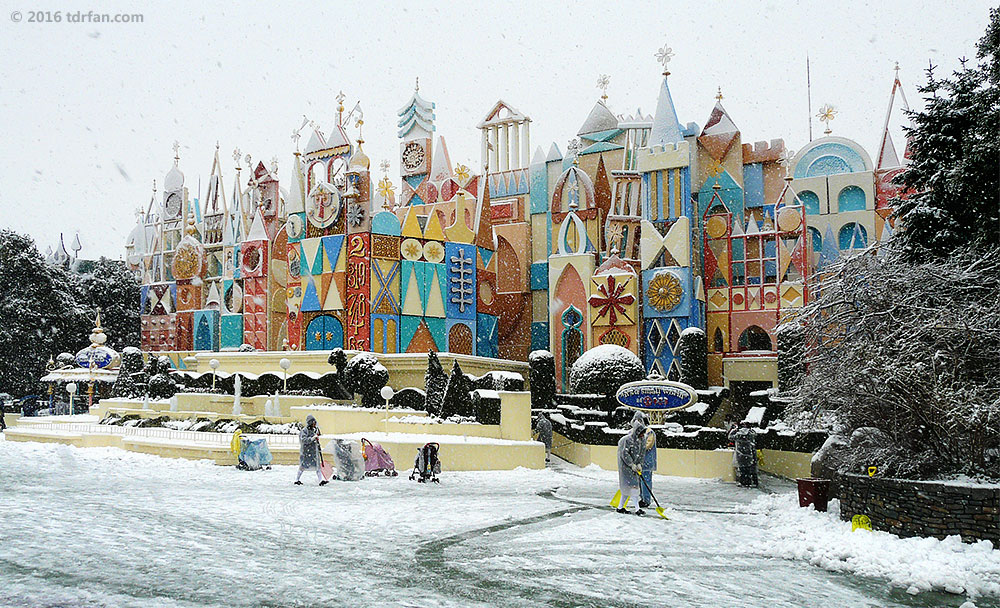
[(515, 147), (504, 158), (486, 148), (493, 151), (525, 143)]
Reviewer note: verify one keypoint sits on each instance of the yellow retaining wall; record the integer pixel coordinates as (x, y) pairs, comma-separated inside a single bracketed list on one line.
[(459, 455), (708, 464), (433, 428), (340, 420), (10, 419), (209, 404), (515, 415), (787, 464), (405, 370)]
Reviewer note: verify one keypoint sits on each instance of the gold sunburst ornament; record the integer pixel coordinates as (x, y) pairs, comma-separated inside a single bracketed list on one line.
[(461, 172), (664, 292)]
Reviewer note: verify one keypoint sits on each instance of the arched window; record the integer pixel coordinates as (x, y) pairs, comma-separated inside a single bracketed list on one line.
[(810, 201), (816, 240), (754, 338), (338, 173), (852, 236), (572, 341), (718, 342), (851, 198), (317, 174)]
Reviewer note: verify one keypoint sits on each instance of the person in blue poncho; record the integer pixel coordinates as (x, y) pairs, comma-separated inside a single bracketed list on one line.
[(648, 466)]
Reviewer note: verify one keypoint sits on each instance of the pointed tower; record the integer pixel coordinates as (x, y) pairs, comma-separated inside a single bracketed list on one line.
[(670, 300), (416, 127), (887, 164)]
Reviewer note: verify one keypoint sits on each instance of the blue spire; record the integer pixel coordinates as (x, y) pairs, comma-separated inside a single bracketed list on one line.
[(666, 128)]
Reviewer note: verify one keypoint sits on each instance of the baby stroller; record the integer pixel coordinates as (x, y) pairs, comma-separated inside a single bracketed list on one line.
[(348, 464), (427, 465), (377, 460), (251, 454)]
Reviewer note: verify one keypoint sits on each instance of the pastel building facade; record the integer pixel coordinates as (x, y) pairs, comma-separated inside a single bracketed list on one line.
[(645, 227)]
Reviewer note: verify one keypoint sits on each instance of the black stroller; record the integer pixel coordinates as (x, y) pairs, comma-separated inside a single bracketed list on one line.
[(427, 466)]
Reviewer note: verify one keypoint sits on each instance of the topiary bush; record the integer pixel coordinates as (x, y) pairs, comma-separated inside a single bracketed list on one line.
[(602, 370)]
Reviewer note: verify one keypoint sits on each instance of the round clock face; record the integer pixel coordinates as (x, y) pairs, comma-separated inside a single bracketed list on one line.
[(323, 209), (295, 227), (173, 204), (413, 156)]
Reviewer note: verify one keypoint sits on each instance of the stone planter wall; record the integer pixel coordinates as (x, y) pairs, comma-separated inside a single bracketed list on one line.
[(923, 508)]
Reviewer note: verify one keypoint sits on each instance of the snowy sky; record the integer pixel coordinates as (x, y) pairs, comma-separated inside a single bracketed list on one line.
[(90, 111)]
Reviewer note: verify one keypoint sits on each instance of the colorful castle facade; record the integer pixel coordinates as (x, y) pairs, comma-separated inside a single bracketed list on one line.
[(645, 227)]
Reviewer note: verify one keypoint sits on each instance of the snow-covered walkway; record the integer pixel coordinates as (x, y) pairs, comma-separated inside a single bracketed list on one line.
[(104, 527)]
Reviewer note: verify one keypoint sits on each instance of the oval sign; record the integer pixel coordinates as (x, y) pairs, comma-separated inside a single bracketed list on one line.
[(656, 395), (101, 356)]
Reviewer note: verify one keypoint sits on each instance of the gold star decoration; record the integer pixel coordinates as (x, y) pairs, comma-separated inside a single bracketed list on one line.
[(461, 172)]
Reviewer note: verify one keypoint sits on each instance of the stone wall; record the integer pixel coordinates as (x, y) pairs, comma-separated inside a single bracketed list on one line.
[(923, 508)]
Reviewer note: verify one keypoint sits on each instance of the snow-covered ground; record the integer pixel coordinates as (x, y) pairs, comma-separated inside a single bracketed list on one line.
[(104, 527)]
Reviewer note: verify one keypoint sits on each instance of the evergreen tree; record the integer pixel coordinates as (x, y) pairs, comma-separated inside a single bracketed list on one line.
[(953, 178), (458, 397), (693, 353), (435, 384)]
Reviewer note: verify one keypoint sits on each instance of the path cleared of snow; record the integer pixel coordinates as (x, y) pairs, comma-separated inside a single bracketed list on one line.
[(105, 527)]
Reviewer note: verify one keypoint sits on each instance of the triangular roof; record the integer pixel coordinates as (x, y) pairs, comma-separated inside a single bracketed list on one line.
[(296, 192), (599, 119), (316, 142), (441, 162), (666, 128), (257, 232), (719, 133), (554, 153), (887, 157), (502, 112)]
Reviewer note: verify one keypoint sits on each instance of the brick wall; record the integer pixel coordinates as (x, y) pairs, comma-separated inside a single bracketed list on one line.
[(923, 508)]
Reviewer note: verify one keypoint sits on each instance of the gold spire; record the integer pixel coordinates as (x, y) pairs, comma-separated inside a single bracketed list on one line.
[(718, 96)]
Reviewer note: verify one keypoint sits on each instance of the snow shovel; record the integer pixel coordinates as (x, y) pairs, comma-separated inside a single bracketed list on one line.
[(326, 470), (659, 509)]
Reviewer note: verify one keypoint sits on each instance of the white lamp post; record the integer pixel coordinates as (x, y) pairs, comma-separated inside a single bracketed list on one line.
[(285, 364), (71, 389), (214, 364), (387, 394)]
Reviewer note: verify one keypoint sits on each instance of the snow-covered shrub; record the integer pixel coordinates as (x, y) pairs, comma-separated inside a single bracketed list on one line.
[(910, 350), (693, 353), (131, 382), (603, 369), (542, 376), (365, 376)]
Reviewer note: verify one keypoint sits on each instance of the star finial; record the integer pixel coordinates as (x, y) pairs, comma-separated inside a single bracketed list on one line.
[(340, 101), (295, 138), (718, 96), (416, 85), (664, 55), (274, 165), (177, 151), (384, 165), (602, 83), (825, 115), (236, 157)]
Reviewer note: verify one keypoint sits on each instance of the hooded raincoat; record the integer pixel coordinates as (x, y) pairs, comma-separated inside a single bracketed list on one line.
[(631, 450), (309, 445), (544, 429)]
